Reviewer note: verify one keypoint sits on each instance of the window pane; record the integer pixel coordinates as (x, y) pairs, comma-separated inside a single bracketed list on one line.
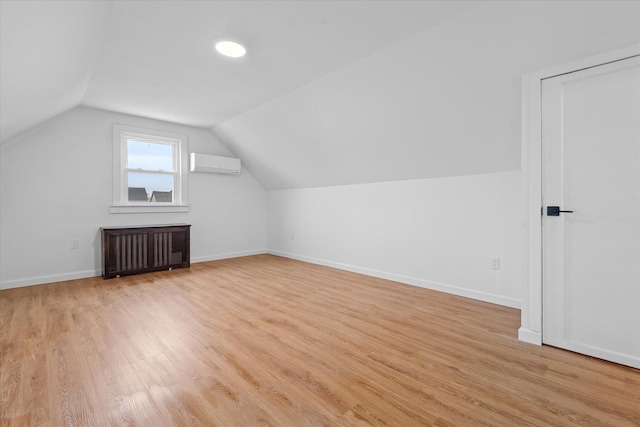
[(149, 155), (149, 187)]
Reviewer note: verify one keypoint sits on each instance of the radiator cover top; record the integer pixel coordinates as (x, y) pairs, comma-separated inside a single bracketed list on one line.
[(139, 249)]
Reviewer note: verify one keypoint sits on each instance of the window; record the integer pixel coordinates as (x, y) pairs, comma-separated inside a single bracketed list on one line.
[(149, 171), (150, 168)]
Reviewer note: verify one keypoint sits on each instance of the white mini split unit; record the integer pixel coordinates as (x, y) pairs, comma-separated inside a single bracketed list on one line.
[(214, 164)]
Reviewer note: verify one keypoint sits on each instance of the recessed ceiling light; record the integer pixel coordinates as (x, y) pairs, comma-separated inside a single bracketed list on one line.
[(231, 49)]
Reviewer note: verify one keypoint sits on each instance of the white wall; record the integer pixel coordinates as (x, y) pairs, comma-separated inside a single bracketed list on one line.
[(444, 103), (438, 233), (56, 186)]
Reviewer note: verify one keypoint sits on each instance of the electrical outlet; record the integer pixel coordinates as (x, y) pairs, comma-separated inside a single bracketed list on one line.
[(74, 243), (495, 263)]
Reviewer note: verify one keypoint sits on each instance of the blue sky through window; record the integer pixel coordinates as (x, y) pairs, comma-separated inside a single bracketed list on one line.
[(150, 156)]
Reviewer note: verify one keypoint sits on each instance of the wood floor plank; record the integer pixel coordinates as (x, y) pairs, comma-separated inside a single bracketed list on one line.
[(270, 341)]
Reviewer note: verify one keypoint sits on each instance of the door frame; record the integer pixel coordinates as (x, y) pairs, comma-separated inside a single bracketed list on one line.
[(531, 165)]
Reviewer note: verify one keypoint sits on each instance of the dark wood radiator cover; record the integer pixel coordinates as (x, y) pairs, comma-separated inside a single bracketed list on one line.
[(140, 249)]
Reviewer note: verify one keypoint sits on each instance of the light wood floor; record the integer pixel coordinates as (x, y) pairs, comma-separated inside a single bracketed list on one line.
[(267, 341)]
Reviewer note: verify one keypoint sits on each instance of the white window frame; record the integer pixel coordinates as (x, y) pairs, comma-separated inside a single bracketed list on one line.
[(120, 204)]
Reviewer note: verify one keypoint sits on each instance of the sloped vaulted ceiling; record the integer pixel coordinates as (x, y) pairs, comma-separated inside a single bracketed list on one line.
[(330, 92), (445, 102), (155, 58), (48, 50), (158, 59)]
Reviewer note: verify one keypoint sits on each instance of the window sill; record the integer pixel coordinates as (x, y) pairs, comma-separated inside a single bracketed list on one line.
[(126, 209)]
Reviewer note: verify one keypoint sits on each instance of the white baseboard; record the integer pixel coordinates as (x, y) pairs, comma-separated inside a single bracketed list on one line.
[(227, 255), (530, 336), (50, 278), (450, 289), (524, 335)]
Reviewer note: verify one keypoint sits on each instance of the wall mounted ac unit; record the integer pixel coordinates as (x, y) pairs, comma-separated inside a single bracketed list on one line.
[(214, 164)]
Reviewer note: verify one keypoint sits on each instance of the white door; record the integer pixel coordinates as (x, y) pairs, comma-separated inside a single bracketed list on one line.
[(591, 166)]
